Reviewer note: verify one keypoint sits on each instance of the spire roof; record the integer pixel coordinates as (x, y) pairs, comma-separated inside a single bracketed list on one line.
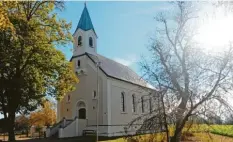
[(85, 21)]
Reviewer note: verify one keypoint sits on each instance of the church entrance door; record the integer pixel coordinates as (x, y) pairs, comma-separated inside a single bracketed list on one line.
[(81, 110)]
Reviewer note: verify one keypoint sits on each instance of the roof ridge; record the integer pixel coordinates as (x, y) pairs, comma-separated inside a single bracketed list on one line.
[(115, 61), (118, 70), (139, 77), (122, 65)]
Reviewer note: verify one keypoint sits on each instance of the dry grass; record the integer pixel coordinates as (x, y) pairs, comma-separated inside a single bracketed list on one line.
[(208, 137), (18, 137), (197, 133)]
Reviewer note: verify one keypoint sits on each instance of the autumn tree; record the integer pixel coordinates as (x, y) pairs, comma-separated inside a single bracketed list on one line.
[(46, 116), (22, 124), (192, 78), (31, 67)]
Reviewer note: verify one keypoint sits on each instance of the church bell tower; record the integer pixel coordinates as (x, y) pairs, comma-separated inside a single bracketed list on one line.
[(85, 38)]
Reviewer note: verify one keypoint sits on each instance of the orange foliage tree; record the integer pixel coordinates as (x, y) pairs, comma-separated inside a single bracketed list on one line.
[(46, 116)]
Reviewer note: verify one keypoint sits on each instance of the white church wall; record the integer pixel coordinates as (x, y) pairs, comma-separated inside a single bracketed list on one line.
[(68, 109), (80, 126), (68, 131), (84, 91), (78, 50), (110, 89), (120, 119), (92, 83)]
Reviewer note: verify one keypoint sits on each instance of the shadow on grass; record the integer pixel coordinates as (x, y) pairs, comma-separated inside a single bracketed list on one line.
[(72, 139)]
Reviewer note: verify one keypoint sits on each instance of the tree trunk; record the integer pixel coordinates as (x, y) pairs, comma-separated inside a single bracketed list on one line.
[(179, 127), (11, 125), (177, 136)]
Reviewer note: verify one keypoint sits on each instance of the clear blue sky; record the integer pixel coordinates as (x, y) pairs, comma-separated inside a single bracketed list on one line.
[(123, 28)]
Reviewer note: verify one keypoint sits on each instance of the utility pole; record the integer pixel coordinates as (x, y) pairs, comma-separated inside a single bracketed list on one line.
[(97, 101)]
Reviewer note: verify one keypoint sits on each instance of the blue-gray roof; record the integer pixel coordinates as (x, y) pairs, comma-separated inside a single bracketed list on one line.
[(116, 70), (85, 21), (119, 71)]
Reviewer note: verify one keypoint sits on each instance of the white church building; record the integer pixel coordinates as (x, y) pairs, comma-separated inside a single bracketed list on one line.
[(109, 95)]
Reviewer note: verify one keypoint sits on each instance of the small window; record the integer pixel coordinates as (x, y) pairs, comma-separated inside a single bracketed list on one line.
[(143, 107), (122, 101), (78, 63), (133, 103), (94, 95), (90, 42), (79, 41)]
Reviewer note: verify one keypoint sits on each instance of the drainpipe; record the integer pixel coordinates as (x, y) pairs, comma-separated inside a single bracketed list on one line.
[(97, 101)]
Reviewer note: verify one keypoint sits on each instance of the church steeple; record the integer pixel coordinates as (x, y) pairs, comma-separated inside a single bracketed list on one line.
[(85, 38), (85, 22)]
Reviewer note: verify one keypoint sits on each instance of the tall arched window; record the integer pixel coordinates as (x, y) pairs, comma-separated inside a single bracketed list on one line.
[(150, 105), (78, 63), (142, 101), (90, 42), (68, 98), (122, 101), (79, 41), (133, 103), (94, 95)]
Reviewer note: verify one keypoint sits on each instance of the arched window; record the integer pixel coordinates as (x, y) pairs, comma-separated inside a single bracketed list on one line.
[(79, 41), (142, 101), (150, 105), (94, 96), (78, 63), (133, 103), (122, 101), (68, 98), (90, 42)]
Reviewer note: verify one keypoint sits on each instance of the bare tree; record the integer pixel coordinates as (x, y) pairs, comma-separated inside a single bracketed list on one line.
[(193, 78)]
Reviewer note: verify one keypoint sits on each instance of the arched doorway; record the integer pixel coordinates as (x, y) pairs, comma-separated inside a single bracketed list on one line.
[(81, 110)]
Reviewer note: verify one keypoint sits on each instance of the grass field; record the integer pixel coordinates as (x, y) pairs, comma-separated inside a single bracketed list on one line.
[(195, 133), (225, 130)]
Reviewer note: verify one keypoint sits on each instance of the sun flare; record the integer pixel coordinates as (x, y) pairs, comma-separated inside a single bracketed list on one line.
[(216, 33)]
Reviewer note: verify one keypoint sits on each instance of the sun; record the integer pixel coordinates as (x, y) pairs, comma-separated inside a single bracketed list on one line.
[(216, 32)]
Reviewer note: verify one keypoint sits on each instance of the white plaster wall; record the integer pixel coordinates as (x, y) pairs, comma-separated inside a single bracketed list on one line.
[(121, 119), (84, 90), (81, 125), (69, 131), (77, 50)]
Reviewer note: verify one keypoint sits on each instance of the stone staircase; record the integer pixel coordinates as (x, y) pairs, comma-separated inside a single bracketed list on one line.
[(52, 132)]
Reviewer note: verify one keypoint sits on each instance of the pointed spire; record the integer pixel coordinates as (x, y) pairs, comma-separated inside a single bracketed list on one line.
[(85, 20)]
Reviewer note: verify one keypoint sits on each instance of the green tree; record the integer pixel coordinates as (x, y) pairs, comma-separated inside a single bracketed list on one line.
[(30, 65)]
